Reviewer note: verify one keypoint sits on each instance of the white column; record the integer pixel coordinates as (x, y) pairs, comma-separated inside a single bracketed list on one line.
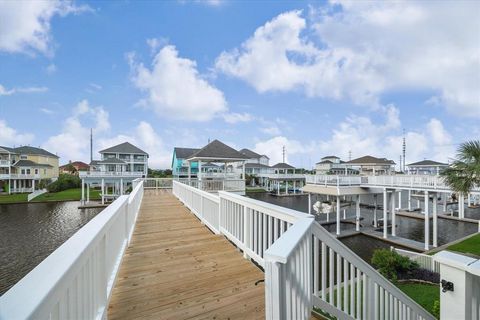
[(189, 172), (375, 203), (286, 187), (88, 192), (385, 215), (427, 222), (33, 185), (338, 215), (461, 206), (444, 196), (357, 213), (9, 185), (83, 191), (103, 191), (121, 186), (199, 174), (392, 208), (243, 171), (294, 187), (309, 203), (409, 200), (400, 200), (278, 187), (434, 213), (15, 185)]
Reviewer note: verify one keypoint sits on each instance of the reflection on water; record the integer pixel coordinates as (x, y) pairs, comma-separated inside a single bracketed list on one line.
[(410, 228), (30, 232)]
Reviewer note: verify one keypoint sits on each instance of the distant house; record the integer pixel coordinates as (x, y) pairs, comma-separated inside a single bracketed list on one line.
[(368, 165), (180, 163), (23, 167), (77, 165), (123, 159), (283, 167), (254, 157), (426, 167), (333, 165)]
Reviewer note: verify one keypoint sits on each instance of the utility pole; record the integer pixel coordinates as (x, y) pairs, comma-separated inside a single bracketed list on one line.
[(91, 145), (404, 147), (349, 155), (283, 152)]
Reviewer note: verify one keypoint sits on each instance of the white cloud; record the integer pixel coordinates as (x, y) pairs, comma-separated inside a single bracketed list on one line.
[(73, 142), (272, 130), (51, 69), (273, 148), (11, 137), (234, 117), (46, 110), (175, 89), (25, 25), (7, 92), (359, 50)]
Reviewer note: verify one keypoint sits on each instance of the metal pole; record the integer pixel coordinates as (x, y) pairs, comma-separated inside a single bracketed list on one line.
[(392, 199), (338, 215), (357, 214), (385, 214), (427, 223), (434, 213)]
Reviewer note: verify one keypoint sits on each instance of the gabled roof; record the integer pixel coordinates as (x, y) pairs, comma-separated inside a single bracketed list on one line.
[(324, 161), (250, 154), (34, 151), (81, 165), (184, 153), (7, 149), (428, 163), (219, 151), (209, 165), (330, 157), (370, 160), (125, 147), (283, 165), (111, 161), (29, 163)]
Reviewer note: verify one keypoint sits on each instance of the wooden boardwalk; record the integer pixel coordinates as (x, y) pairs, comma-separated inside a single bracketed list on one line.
[(176, 268)]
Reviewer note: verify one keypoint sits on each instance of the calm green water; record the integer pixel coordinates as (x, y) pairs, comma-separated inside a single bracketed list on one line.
[(30, 232)]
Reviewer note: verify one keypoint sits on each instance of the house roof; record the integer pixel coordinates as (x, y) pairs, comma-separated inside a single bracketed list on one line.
[(209, 165), (254, 165), (250, 154), (370, 160), (330, 157), (111, 161), (78, 164), (94, 162), (324, 161), (33, 151), (7, 149), (219, 151), (29, 163), (125, 147), (283, 165), (427, 163), (184, 153)]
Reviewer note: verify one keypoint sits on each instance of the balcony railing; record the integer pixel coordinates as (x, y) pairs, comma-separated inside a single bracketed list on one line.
[(4, 163), (24, 176), (281, 175), (331, 180), (84, 174)]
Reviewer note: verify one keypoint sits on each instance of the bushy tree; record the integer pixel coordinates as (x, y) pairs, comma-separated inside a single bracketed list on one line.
[(464, 173), (390, 263), (64, 182)]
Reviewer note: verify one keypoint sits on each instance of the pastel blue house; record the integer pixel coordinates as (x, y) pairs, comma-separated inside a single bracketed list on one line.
[(179, 163)]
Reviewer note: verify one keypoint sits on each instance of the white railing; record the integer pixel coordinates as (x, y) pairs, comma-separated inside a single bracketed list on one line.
[(76, 280), (427, 182), (35, 194), (216, 185), (4, 176), (424, 261), (305, 266), (333, 180), (21, 190), (344, 286), (281, 175), (83, 174), (24, 176), (157, 183), (228, 175), (203, 204), (4, 163)]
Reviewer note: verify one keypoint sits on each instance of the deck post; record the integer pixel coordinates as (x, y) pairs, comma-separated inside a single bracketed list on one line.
[(461, 206), (83, 190), (121, 186), (278, 187), (392, 202), (309, 203), (400, 200), (338, 215), (427, 222), (357, 213), (444, 196), (88, 192), (274, 282), (409, 200), (103, 191), (294, 187), (385, 215), (375, 203), (434, 214)]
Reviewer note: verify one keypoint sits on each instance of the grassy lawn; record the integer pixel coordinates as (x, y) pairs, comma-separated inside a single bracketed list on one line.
[(254, 190), (70, 194), (470, 246), (424, 294), (17, 197)]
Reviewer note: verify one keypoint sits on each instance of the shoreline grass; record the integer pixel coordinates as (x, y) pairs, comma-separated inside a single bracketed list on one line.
[(65, 195)]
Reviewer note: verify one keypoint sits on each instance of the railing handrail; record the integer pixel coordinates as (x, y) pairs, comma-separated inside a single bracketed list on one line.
[(38, 294), (205, 194)]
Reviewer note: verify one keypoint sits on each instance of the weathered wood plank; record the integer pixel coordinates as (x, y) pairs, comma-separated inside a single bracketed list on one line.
[(175, 268)]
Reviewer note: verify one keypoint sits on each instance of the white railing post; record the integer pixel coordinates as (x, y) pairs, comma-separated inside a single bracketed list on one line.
[(274, 291)]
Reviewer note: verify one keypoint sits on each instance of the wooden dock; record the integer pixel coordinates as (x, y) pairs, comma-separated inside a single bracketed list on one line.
[(176, 268)]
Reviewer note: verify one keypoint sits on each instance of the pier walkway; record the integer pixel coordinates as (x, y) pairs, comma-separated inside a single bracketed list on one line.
[(176, 268)]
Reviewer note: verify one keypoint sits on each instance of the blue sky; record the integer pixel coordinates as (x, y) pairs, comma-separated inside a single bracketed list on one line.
[(320, 78)]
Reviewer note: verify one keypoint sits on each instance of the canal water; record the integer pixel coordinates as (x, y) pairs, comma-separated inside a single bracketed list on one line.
[(362, 245), (29, 232)]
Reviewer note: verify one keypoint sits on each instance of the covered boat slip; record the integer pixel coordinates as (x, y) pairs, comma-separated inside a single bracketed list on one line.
[(176, 268)]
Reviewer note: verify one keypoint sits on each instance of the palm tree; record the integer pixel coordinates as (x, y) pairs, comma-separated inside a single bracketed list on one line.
[(464, 173)]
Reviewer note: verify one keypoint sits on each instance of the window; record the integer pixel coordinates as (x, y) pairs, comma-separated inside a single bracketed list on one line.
[(23, 157), (36, 171), (23, 171), (28, 171)]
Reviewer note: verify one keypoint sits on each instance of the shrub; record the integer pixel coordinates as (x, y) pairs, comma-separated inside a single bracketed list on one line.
[(436, 309), (420, 274), (64, 182), (43, 183), (390, 264)]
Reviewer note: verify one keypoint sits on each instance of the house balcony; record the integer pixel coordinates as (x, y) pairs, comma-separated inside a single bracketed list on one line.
[(108, 174), (281, 175), (4, 163), (23, 176)]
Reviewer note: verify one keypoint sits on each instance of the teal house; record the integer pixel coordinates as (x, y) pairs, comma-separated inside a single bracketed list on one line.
[(179, 163)]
